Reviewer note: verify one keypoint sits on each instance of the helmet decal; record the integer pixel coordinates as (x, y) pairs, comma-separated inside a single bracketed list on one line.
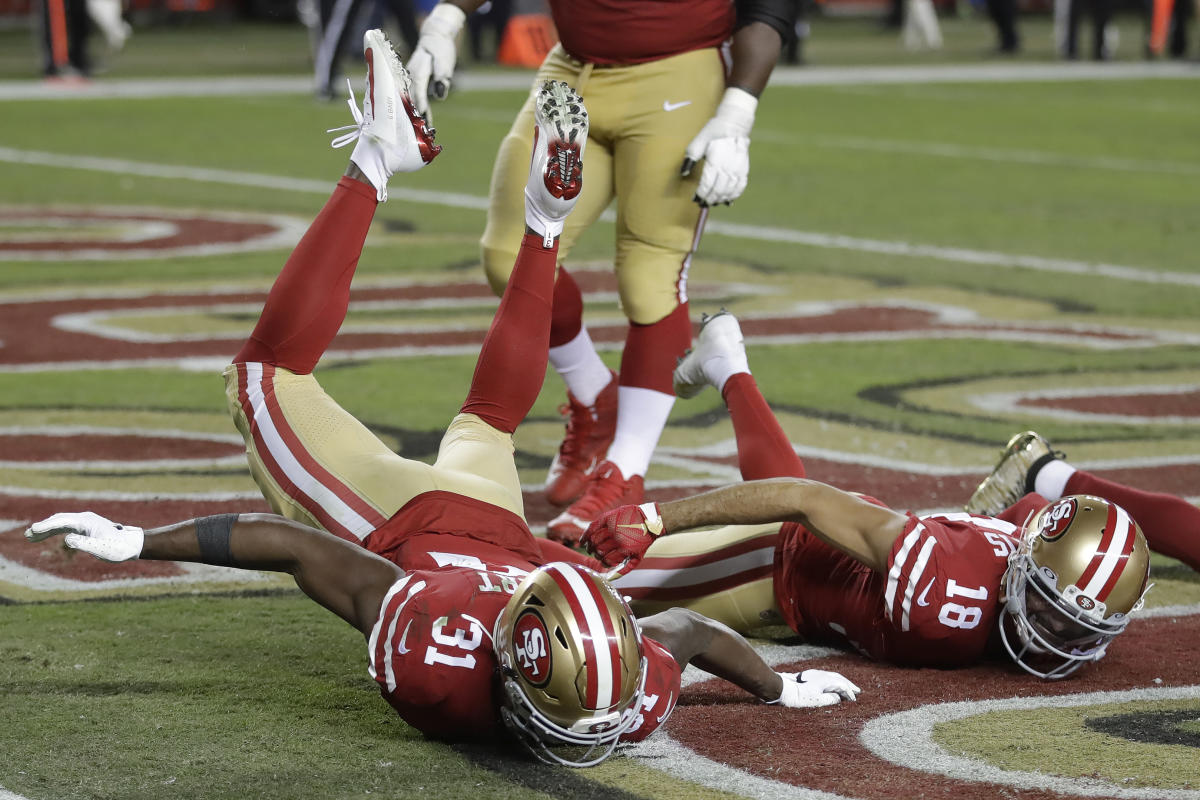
[(530, 645), (603, 661), (1111, 556), (1057, 519)]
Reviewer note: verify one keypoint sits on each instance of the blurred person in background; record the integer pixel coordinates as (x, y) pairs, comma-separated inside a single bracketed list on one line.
[(333, 26), (1004, 15), (64, 31), (672, 90)]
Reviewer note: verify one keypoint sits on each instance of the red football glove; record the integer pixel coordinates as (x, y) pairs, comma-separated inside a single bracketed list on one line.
[(622, 536)]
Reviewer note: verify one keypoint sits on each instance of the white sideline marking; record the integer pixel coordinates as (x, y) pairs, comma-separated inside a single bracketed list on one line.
[(5, 794), (994, 154), (237, 86), (735, 230), (906, 738)]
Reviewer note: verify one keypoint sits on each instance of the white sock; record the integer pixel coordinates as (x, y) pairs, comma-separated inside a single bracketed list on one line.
[(580, 367), (1051, 480), (720, 370), (641, 416), (368, 156), (549, 227)]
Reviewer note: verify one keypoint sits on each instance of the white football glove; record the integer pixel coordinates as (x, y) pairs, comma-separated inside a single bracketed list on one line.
[(724, 144), (814, 688), (91, 533), (431, 65)]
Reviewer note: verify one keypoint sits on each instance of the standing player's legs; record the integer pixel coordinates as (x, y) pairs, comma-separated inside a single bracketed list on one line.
[(591, 386), (313, 461), (653, 110)]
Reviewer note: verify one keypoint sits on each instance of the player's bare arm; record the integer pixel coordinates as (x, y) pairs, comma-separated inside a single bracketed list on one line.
[(346, 579), (715, 648), (754, 52), (860, 529)]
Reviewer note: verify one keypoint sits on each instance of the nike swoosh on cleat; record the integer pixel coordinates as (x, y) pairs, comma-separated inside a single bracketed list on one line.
[(669, 106), (400, 648), (921, 599)]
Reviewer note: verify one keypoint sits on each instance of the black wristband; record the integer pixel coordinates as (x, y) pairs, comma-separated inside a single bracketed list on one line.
[(213, 534)]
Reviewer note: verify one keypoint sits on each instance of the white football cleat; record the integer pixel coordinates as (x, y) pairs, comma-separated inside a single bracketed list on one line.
[(719, 352), (391, 136), (556, 164), (1008, 482)]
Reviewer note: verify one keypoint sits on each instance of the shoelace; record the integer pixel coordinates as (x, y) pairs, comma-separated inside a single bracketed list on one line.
[(355, 130)]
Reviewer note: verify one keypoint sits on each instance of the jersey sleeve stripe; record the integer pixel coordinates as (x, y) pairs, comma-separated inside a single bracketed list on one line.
[(914, 578), (899, 563), (333, 503), (383, 649)]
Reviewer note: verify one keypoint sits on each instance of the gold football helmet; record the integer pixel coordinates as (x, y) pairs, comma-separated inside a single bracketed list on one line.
[(571, 663), (1079, 573)]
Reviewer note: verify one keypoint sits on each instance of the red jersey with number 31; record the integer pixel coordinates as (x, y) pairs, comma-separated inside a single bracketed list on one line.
[(936, 605), (431, 650)]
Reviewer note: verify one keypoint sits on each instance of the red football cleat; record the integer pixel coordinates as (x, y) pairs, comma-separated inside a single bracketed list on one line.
[(590, 430), (606, 489)]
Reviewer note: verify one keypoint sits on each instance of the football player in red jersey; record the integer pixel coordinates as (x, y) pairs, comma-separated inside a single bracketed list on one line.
[(673, 90), (1047, 578), (472, 627)]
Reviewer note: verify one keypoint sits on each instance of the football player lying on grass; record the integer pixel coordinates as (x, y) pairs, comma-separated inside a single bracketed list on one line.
[(473, 626), (1047, 565)]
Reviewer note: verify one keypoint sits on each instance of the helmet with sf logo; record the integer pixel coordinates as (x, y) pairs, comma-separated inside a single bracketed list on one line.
[(1079, 573), (571, 663)]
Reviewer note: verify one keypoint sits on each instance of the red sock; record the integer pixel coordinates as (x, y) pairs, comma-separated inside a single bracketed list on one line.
[(652, 351), (567, 320), (763, 448), (1171, 524), (512, 361), (308, 302)]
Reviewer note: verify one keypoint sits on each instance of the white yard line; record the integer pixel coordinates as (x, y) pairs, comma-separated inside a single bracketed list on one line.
[(997, 155), (731, 229), (234, 86)]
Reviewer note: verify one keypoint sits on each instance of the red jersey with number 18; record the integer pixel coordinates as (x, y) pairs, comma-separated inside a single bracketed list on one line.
[(936, 606), (431, 651)]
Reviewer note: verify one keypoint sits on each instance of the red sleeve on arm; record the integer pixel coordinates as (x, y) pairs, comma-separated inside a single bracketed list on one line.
[(661, 691)]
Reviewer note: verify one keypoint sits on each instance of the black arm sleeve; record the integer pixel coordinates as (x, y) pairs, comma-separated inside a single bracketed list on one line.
[(779, 14)]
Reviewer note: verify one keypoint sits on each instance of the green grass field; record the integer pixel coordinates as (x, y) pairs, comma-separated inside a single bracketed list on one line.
[(1043, 212)]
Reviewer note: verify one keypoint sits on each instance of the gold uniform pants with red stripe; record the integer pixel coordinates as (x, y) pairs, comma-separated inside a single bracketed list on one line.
[(725, 573), (641, 119), (316, 464)]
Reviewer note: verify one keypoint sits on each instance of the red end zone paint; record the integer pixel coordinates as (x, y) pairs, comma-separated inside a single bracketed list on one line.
[(116, 232), (820, 748)]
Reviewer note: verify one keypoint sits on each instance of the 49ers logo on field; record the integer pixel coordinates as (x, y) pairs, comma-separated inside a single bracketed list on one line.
[(1056, 519), (530, 646)]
